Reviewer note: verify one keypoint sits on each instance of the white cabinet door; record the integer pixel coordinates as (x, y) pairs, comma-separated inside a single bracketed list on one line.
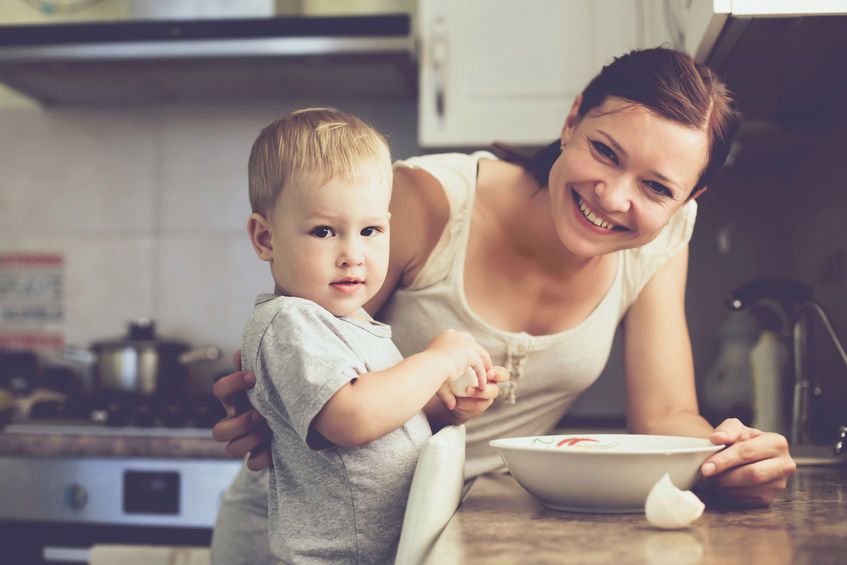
[(508, 70), (693, 25)]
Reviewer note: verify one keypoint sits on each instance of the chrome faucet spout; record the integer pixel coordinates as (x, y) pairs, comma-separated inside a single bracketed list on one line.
[(838, 448), (815, 307), (792, 298), (802, 383)]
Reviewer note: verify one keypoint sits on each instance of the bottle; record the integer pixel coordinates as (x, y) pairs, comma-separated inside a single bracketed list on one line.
[(769, 361)]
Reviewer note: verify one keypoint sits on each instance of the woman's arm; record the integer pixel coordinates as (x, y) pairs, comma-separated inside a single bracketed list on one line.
[(661, 397)]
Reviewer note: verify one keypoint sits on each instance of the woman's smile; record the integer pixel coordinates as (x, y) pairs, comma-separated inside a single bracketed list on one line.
[(593, 218)]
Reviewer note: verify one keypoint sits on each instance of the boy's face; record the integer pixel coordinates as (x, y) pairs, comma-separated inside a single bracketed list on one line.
[(330, 242)]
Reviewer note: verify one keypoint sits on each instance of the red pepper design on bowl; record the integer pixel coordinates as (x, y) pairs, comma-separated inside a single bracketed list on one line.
[(572, 441)]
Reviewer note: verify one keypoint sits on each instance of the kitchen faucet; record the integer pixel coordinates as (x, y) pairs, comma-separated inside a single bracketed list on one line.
[(796, 300)]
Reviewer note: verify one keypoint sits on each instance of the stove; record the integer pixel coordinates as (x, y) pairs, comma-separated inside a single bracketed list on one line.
[(86, 470)]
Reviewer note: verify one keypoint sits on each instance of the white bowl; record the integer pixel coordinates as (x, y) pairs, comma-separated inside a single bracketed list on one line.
[(601, 473)]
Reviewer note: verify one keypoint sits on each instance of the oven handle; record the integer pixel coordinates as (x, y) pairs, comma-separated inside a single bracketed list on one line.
[(52, 554)]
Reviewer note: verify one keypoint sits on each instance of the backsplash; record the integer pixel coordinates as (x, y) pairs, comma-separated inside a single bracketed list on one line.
[(148, 209)]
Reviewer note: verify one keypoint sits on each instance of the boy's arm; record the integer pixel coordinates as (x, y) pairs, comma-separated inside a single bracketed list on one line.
[(379, 402)]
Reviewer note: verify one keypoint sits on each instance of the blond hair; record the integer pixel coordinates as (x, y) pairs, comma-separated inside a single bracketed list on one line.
[(318, 144)]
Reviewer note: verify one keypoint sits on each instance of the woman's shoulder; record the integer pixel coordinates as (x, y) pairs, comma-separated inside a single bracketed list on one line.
[(674, 236), (641, 263), (452, 174), (419, 212), (429, 192)]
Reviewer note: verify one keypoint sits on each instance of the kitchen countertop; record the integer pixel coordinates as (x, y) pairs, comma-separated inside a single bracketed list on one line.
[(499, 522)]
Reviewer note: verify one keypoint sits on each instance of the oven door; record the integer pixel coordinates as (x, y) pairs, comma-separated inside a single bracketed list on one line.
[(54, 509)]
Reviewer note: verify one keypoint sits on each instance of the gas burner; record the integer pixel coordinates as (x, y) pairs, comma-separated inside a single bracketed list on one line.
[(127, 412)]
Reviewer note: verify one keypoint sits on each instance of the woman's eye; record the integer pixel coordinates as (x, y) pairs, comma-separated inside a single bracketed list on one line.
[(322, 232), (659, 188), (605, 151)]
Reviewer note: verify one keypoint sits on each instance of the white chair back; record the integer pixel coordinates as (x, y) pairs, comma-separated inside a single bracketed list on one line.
[(434, 495)]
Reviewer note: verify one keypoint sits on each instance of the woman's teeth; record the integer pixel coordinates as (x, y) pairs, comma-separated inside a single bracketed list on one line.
[(592, 217)]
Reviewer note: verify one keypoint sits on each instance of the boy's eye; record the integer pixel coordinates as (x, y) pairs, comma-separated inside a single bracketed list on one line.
[(370, 230), (605, 151), (322, 232)]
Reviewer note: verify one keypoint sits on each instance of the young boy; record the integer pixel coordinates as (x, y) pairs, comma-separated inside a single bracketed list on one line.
[(343, 404)]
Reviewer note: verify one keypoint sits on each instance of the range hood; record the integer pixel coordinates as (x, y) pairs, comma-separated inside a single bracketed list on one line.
[(369, 57), (785, 68)]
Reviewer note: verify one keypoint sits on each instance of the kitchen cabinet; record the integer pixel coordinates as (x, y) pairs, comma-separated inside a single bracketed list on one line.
[(693, 25), (509, 71)]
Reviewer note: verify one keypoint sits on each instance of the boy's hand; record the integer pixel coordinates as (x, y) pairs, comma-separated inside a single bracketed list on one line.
[(464, 408), (461, 351)]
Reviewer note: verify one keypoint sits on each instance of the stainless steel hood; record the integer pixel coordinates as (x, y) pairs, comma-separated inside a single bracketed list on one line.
[(368, 57)]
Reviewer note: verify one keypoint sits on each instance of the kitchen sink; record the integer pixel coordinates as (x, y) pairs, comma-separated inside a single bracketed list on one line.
[(816, 455)]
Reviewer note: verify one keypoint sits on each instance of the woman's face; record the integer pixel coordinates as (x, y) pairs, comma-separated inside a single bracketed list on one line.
[(622, 174)]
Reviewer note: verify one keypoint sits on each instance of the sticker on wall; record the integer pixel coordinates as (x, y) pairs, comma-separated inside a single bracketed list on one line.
[(31, 300)]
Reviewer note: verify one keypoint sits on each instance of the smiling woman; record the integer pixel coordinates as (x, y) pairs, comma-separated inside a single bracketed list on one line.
[(621, 175), (540, 259)]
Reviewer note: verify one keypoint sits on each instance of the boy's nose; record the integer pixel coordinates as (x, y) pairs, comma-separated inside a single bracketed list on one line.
[(351, 255)]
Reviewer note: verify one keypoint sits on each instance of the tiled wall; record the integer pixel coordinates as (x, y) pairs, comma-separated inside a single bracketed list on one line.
[(818, 249), (148, 208), (784, 204)]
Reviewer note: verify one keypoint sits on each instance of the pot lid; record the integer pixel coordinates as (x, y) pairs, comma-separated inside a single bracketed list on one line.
[(140, 332)]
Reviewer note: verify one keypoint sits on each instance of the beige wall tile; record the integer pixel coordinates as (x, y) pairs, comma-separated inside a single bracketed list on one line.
[(206, 286), (76, 172)]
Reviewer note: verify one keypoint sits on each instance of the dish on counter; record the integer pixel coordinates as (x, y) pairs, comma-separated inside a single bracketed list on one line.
[(601, 473)]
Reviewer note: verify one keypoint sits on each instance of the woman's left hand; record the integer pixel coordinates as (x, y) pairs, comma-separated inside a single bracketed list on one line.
[(753, 469), (464, 408)]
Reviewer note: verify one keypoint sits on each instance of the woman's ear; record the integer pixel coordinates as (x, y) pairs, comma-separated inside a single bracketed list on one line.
[(260, 234), (572, 120), (699, 192)]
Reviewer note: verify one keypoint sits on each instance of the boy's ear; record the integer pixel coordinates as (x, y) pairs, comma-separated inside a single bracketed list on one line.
[(259, 231)]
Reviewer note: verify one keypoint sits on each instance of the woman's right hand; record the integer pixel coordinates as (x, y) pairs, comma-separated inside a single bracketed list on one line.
[(243, 429)]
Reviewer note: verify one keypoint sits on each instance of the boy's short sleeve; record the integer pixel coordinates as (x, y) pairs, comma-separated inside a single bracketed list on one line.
[(301, 359)]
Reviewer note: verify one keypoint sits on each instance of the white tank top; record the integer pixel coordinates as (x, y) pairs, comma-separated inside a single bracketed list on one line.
[(548, 371)]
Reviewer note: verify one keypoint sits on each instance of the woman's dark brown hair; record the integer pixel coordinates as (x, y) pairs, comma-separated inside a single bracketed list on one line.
[(666, 82)]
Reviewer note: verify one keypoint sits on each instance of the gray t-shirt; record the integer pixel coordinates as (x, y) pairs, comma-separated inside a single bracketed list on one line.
[(326, 503)]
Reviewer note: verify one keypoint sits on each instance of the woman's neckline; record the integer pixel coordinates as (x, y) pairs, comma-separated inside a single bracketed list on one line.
[(460, 278)]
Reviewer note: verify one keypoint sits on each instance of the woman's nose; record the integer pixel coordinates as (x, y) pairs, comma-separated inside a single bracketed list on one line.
[(614, 194)]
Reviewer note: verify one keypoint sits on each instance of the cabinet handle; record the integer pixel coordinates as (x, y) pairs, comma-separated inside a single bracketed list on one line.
[(439, 64)]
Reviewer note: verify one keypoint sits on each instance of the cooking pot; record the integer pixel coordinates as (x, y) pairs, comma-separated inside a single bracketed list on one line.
[(142, 363)]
